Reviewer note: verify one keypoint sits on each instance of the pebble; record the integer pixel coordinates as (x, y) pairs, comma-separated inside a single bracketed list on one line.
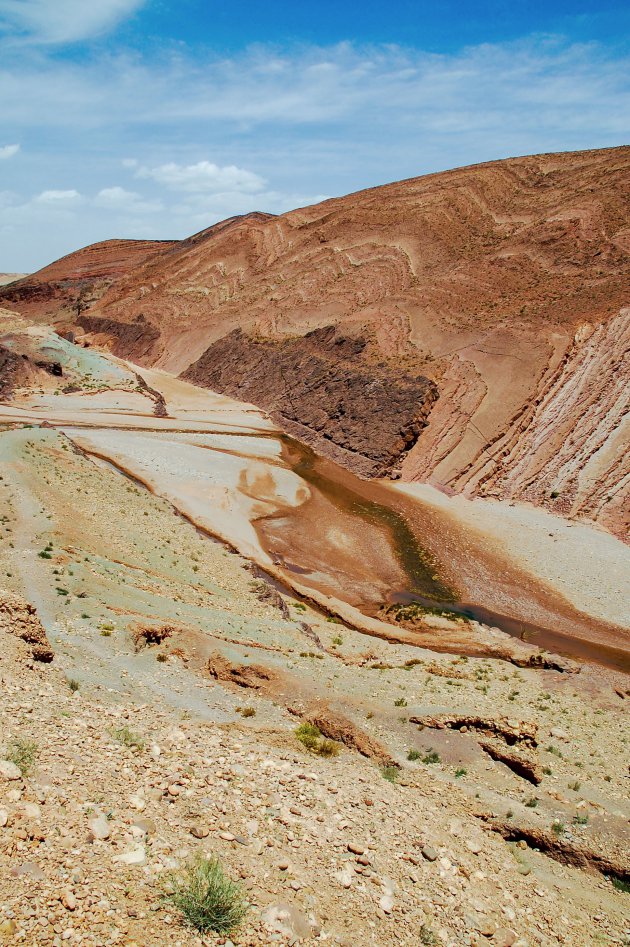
[(9, 771), (136, 856), (429, 853), (99, 827), (355, 849), (199, 831)]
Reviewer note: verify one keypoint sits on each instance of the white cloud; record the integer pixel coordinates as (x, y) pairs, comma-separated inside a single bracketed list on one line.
[(7, 151), (266, 129), (126, 202), (204, 177), (63, 21), (54, 197)]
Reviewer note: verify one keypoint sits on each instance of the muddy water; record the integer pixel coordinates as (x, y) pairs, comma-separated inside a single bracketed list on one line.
[(353, 539)]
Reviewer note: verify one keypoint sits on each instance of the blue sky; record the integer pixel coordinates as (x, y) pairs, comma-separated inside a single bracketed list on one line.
[(149, 118)]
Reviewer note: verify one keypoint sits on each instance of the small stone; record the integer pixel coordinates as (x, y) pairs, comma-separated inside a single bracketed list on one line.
[(429, 853), (68, 900), (99, 827), (136, 856), (387, 903), (4, 818), (226, 836), (504, 937), (9, 771), (199, 831), (8, 927), (355, 849), (473, 846)]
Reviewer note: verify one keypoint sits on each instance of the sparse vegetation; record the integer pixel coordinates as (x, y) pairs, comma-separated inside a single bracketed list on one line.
[(128, 738), (580, 819), (532, 803), (621, 885), (557, 827), (206, 897), (23, 754), (73, 684), (431, 757), (413, 755), (460, 772), (310, 737), (400, 702), (427, 937), (390, 773)]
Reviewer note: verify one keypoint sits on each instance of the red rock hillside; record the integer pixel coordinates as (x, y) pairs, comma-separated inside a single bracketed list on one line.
[(466, 328)]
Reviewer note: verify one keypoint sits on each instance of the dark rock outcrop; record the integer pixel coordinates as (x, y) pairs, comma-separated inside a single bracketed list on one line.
[(323, 387), (133, 340)]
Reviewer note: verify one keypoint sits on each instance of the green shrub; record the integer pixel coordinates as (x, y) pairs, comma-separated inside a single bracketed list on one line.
[(128, 738), (431, 757), (400, 702), (23, 754), (460, 772), (310, 736), (413, 755), (73, 684), (390, 773), (532, 803), (327, 748), (206, 897), (621, 885)]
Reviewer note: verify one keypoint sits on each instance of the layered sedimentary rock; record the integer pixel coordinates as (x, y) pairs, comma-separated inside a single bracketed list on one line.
[(71, 284), (321, 387), (503, 284)]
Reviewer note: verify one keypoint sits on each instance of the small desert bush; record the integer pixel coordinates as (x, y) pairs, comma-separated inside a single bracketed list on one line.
[(431, 757), (390, 773), (23, 754), (400, 702), (460, 772), (310, 736), (73, 684), (128, 738), (413, 755), (206, 897)]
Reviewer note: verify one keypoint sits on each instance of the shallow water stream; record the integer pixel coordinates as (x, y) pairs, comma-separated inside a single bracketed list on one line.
[(356, 540)]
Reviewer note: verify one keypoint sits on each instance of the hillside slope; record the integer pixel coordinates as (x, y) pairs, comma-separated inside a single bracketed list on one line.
[(486, 301), (84, 274)]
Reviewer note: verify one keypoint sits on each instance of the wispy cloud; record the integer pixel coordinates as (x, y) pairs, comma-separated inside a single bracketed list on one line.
[(169, 145), (7, 151), (63, 21), (204, 176)]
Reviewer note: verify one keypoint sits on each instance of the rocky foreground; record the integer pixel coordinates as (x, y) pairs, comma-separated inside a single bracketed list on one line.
[(113, 793)]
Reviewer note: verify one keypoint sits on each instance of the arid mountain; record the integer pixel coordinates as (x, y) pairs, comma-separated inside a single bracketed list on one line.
[(84, 275), (465, 328), (6, 278)]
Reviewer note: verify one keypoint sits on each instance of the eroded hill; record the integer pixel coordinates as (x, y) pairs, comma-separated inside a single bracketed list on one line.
[(489, 302)]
